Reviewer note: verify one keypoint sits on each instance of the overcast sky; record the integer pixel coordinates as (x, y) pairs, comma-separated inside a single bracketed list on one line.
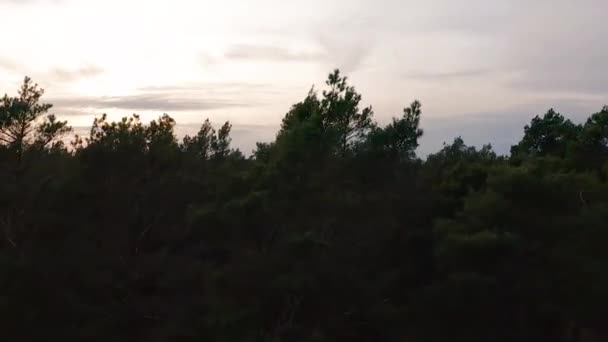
[(481, 68)]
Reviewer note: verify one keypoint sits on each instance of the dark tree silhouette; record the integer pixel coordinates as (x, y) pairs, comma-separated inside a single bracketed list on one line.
[(334, 231)]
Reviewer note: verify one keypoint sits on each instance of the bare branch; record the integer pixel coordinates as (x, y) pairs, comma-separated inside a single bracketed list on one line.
[(5, 140)]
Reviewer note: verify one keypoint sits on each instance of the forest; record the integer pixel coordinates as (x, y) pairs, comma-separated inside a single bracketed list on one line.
[(335, 231)]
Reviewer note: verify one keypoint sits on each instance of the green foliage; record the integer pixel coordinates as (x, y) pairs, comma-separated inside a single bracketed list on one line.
[(207, 144), (200, 145), (399, 139), (49, 131), (334, 231), (22, 125), (340, 114), (546, 136), (591, 149)]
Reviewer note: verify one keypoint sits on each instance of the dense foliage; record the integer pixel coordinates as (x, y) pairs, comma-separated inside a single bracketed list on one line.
[(335, 231)]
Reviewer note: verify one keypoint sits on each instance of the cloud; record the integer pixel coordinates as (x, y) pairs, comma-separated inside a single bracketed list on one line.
[(438, 76), (65, 75), (269, 53), (462, 57), (171, 98), (28, 2), (233, 88), (54, 74), (333, 52), (558, 46), (9, 64), (575, 64), (147, 101), (347, 52), (208, 60)]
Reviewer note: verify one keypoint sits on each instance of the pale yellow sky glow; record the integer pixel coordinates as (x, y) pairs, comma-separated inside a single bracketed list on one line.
[(248, 60)]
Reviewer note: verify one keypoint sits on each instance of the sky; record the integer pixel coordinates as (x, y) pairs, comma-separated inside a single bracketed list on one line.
[(481, 68)]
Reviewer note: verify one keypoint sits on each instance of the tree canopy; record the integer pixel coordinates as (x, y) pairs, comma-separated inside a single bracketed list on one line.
[(334, 231)]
